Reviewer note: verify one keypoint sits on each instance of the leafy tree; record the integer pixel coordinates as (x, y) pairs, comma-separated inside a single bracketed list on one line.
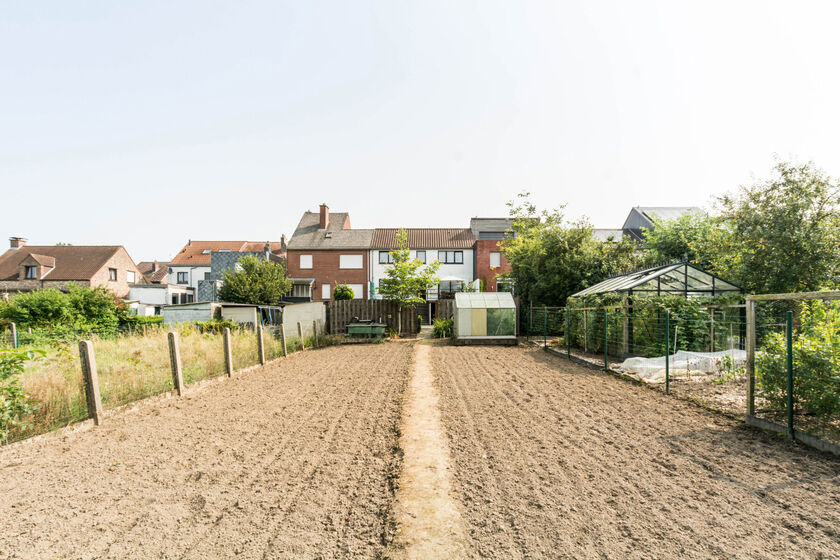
[(785, 231), (407, 280), (255, 281), (342, 292), (14, 404), (552, 259)]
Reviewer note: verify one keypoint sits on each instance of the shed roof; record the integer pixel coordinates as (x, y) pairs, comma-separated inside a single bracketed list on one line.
[(484, 300), (676, 278), (424, 238)]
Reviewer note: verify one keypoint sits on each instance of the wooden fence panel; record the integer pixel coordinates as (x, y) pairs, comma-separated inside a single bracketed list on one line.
[(339, 313), (445, 309)]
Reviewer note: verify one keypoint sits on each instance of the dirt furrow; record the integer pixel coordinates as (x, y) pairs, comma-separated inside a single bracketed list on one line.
[(621, 472)]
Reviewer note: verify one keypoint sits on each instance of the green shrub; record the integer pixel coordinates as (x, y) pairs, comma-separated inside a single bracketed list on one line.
[(216, 326), (816, 362), (13, 401), (442, 328), (80, 308), (342, 292)]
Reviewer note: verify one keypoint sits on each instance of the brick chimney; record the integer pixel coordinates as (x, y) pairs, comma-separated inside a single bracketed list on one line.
[(325, 217), (16, 242)]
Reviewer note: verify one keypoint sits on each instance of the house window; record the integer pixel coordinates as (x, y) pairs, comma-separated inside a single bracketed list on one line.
[(174, 299), (504, 286), (112, 274), (183, 278), (385, 257), (306, 261), (31, 272), (301, 291), (495, 259), (447, 288), (350, 261), (421, 256), (358, 290), (129, 276), (451, 257), (325, 291)]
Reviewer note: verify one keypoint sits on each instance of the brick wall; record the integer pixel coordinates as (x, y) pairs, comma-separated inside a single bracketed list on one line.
[(483, 248), (123, 263), (325, 269)]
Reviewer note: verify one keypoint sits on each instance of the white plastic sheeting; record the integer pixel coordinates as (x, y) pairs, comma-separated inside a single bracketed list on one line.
[(683, 364)]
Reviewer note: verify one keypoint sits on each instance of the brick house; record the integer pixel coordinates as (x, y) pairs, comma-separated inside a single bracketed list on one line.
[(324, 251), (25, 268), (489, 260)]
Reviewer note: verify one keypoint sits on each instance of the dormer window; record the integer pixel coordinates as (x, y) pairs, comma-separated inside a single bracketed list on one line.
[(112, 274), (31, 272), (206, 251), (328, 234)]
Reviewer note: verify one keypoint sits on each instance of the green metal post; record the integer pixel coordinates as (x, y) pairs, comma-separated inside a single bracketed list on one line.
[(606, 364), (667, 351), (545, 328), (790, 372), (568, 333)]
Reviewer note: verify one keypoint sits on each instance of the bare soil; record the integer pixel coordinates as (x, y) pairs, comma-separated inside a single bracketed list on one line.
[(294, 460), (552, 459)]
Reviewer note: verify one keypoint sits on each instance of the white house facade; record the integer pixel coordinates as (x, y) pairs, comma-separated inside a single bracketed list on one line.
[(452, 247)]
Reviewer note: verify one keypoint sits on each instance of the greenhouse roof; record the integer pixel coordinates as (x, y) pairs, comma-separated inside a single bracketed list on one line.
[(484, 300), (677, 278)]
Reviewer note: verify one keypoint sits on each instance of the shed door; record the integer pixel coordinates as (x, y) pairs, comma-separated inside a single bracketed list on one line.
[(479, 322)]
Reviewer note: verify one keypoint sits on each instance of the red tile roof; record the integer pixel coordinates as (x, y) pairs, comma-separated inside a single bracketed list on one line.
[(72, 262), (424, 238)]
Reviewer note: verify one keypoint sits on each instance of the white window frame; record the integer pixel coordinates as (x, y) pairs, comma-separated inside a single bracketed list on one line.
[(186, 277), (33, 269), (358, 290), (351, 262), (305, 262), (418, 257), (385, 257), (130, 276), (498, 257), (325, 291)]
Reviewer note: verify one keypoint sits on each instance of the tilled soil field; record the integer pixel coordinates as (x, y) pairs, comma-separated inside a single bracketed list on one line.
[(555, 460), (294, 460)]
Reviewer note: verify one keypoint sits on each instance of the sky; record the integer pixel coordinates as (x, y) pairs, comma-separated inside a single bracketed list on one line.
[(146, 124)]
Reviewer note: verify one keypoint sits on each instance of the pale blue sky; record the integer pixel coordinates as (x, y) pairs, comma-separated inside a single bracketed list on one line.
[(149, 123)]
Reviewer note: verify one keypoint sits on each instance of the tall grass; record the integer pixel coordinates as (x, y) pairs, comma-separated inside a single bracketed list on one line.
[(133, 367)]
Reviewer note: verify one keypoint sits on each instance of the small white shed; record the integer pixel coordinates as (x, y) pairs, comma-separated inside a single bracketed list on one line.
[(485, 318)]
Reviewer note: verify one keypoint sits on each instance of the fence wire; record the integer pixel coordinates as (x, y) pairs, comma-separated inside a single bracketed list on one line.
[(697, 353)]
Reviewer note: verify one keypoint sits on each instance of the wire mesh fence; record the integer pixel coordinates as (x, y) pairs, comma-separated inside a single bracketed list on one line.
[(795, 364), (132, 365), (691, 351)]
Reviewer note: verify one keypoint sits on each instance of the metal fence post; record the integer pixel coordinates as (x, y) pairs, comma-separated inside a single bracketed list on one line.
[(175, 363), (545, 328), (667, 352), (94, 400), (260, 345), (606, 362), (790, 373), (14, 336), (568, 333), (300, 334), (283, 337), (228, 352)]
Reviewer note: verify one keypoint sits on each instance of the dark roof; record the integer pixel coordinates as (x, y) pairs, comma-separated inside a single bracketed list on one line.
[(308, 236), (72, 262), (424, 238), (154, 276), (193, 252), (43, 260)]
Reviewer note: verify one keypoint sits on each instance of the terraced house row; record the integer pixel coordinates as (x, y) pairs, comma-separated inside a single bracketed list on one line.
[(325, 251)]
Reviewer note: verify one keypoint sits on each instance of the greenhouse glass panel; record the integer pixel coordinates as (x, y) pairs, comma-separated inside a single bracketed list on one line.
[(501, 322)]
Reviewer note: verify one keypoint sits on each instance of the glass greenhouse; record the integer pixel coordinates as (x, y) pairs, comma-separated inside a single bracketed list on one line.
[(485, 317), (682, 279)]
